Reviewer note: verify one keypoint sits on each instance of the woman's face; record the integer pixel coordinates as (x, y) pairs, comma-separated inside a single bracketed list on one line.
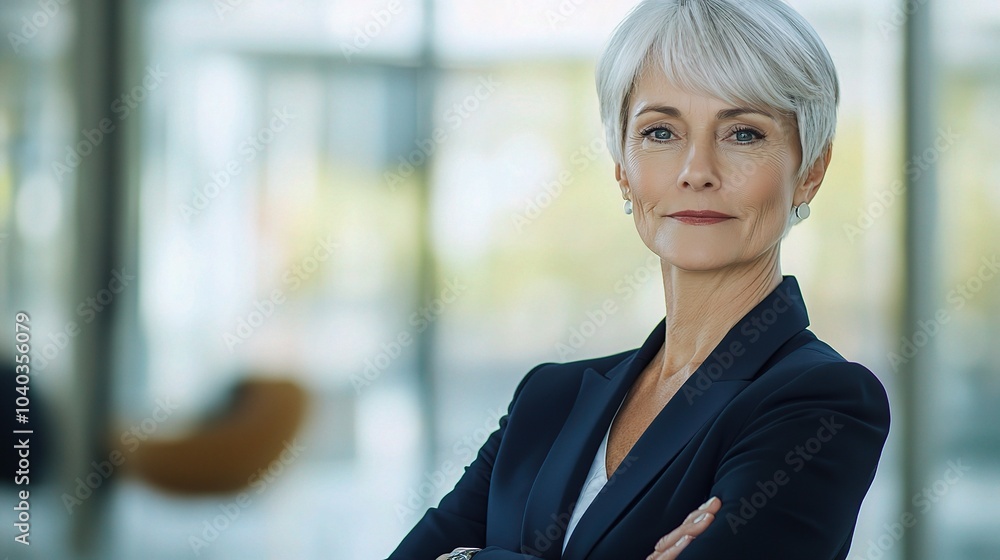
[(688, 152)]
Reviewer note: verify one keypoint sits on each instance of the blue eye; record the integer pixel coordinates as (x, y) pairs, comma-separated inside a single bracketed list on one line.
[(658, 133), (662, 134), (747, 135)]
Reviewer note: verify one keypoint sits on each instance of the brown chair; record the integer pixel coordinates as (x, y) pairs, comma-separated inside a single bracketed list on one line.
[(229, 452)]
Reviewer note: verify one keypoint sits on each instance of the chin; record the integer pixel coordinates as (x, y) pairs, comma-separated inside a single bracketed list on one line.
[(691, 254), (692, 260), (696, 265)]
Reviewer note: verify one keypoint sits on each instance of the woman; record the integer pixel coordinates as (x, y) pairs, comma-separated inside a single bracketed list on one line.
[(719, 116)]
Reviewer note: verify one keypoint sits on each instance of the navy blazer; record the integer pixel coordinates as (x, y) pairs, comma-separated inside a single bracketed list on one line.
[(777, 424)]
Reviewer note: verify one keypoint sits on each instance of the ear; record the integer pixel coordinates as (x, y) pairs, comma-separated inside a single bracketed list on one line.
[(622, 180), (814, 177)]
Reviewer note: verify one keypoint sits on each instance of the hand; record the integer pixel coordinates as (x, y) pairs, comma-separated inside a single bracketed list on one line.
[(671, 545)]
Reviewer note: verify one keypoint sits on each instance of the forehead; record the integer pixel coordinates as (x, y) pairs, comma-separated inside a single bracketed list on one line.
[(652, 87), (655, 89)]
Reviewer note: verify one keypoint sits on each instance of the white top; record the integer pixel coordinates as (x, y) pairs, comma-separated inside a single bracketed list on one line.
[(597, 478)]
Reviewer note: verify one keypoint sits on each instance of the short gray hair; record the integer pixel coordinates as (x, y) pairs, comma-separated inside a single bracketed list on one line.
[(756, 52)]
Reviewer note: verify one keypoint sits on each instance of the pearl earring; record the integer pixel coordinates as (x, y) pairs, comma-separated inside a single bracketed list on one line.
[(628, 207), (800, 212)]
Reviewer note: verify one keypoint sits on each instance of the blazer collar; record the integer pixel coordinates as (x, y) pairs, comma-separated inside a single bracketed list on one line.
[(729, 368), (747, 345)]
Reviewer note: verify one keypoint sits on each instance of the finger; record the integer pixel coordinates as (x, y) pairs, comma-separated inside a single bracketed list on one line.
[(672, 552), (694, 524), (712, 505), (690, 528)]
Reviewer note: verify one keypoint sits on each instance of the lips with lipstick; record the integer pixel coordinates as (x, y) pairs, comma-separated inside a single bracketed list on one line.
[(700, 217)]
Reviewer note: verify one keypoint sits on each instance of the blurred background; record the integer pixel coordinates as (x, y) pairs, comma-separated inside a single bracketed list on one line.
[(285, 261)]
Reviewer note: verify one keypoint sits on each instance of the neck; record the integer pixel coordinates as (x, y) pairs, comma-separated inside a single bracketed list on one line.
[(702, 306)]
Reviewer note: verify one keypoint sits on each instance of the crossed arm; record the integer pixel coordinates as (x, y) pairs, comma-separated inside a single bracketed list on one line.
[(790, 486)]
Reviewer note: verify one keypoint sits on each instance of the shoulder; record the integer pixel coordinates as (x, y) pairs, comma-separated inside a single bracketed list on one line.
[(818, 362), (816, 373), (545, 396), (561, 379)]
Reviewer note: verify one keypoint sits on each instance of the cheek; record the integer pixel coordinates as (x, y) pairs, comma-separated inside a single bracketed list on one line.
[(641, 172), (648, 172), (751, 169), (764, 187)]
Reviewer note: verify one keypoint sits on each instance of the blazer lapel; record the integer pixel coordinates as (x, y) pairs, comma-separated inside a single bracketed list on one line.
[(731, 366), (650, 456), (561, 476)]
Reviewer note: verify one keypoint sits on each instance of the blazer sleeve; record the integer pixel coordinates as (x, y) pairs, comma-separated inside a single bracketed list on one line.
[(793, 481), (460, 519)]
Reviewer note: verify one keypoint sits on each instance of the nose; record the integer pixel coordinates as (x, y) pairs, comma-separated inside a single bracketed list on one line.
[(700, 170)]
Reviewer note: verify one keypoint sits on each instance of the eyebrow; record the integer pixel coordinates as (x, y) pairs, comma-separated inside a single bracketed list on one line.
[(721, 115)]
